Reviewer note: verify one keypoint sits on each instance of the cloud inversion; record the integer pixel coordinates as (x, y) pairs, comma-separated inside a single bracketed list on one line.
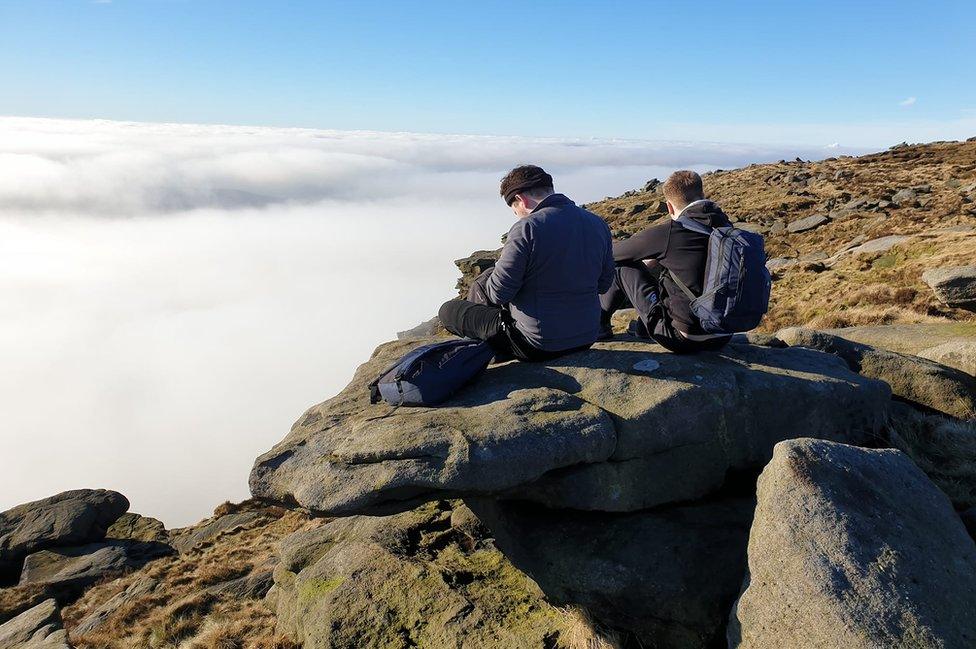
[(173, 296)]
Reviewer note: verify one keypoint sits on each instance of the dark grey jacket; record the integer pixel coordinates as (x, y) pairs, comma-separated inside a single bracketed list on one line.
[(553, 267)]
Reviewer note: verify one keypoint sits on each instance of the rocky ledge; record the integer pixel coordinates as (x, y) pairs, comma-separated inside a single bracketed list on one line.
[(582, 432), (620, 482)]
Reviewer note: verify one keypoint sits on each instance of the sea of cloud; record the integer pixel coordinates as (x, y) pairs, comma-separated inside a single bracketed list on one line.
[(173, 296)]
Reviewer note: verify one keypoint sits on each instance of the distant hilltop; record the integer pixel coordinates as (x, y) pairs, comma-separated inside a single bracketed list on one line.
[(849, 237)]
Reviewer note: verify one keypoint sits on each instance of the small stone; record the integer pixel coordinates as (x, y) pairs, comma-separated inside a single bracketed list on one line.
[(758, 228), (841, 214), (637, 208), (808, 223), (905, 197), (881, 245), (648, 365), (779, 263), (819, 255)]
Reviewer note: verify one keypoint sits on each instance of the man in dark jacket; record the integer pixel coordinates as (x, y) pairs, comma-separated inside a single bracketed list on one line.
[(543, 295), (646, 261)]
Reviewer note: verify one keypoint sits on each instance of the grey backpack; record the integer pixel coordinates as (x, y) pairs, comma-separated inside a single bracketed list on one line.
[(735, 294)]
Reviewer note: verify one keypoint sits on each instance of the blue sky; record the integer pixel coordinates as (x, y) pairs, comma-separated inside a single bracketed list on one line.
[(857, 73)]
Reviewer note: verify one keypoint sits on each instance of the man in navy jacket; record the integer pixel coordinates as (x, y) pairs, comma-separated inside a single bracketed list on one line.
[(543, 295)]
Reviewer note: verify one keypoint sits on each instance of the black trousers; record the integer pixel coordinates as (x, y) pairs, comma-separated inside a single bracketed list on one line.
[(478, 318), (637, 286)]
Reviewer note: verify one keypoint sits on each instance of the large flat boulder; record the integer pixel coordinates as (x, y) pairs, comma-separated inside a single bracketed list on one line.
[(951, 343), (807, 223), (69, 518), (855, 548), (421, 578), (72, 569), (668, 576), (916, 380), (584, 431), (909, 339), (956, 286), (37, 628), (960, 354)]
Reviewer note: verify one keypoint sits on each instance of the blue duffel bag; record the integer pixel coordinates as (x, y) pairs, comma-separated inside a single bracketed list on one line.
[(429, 374)]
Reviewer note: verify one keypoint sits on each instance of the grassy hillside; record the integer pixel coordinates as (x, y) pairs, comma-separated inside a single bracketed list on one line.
[(925, 192)]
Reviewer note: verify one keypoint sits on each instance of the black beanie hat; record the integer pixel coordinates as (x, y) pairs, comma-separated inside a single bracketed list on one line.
[(521, 179)]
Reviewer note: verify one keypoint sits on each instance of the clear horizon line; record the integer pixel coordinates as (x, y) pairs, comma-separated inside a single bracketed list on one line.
[(827, 147)]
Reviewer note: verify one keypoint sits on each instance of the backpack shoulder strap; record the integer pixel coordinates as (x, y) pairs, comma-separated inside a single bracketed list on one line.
[(684, 287), (693, 225)]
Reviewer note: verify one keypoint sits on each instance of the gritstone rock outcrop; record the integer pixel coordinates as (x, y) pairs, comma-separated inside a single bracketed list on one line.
[(853, 547), (37, 628), (955, 286), (919, 381), (69, 518), (667, 575), (423, 578), (581, 432)]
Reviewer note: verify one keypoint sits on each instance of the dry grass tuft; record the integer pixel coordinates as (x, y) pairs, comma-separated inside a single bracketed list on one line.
[(179, 612), (583, 632), (252, 627), (16, 599), (945, 449), (860, 316)]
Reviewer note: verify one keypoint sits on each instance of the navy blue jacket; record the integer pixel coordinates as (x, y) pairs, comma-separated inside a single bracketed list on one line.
[(553, 267)]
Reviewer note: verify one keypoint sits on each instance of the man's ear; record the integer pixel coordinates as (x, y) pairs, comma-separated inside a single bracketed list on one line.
[(670, 208)]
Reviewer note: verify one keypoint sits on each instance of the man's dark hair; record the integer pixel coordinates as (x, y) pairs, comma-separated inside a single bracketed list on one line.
[(525, 179), (683, 187)]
